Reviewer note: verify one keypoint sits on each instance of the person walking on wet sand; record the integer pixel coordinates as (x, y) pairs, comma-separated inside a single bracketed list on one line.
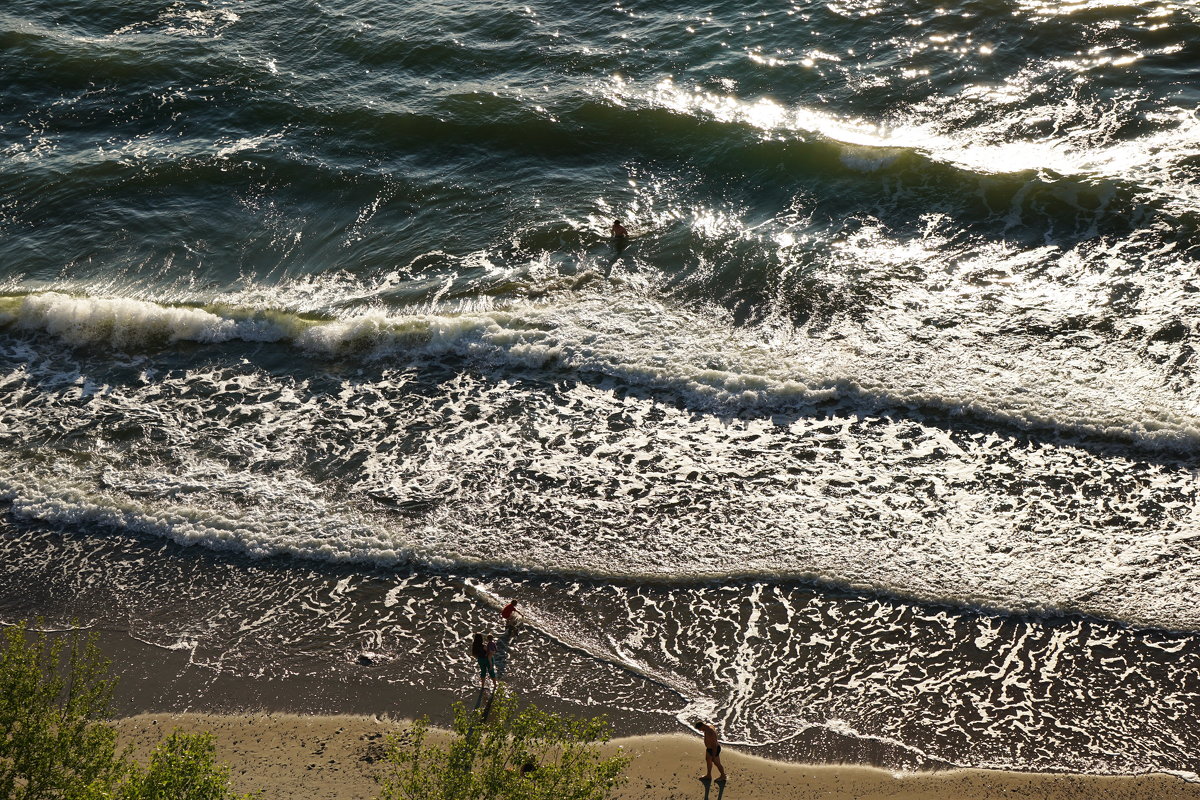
[(484, 660), (712, 750)]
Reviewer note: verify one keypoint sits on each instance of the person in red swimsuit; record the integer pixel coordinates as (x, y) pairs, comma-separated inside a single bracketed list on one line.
[(510, 615)]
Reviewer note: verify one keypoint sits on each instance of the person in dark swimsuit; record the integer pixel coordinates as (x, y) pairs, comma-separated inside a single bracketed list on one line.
[(486, 669), (620, 235), (712, 750), (490, 648)]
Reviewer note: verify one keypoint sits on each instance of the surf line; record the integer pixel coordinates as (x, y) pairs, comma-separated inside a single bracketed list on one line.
[(582, 645)]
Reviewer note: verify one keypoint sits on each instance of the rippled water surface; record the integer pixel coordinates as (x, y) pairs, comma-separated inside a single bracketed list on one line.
[(877, 441)]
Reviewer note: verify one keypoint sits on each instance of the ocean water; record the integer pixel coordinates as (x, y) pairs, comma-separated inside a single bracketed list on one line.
[(879, 440)]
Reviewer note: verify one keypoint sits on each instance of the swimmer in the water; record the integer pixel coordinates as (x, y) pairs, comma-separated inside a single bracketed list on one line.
[(620, 236)]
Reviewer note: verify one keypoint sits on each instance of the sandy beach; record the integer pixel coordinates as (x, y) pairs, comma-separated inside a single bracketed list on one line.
[(339, 757)]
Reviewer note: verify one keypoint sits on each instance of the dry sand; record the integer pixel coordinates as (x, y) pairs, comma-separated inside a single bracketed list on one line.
[(338, 757)]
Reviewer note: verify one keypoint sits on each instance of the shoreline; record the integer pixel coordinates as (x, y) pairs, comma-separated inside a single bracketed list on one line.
[(165, 681), (338, 756)]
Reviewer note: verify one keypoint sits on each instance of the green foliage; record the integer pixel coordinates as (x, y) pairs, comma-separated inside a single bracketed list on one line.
[(183, 767), (53, 698), (56, 742), (487, 750)]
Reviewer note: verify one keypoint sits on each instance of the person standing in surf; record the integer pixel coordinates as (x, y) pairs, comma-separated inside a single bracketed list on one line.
[(490, 648), (486, 669), (510, 615), (712, 750)]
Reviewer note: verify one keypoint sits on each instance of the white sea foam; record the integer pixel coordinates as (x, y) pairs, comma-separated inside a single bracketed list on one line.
[(861, 492), (123, 322), (592, 336)]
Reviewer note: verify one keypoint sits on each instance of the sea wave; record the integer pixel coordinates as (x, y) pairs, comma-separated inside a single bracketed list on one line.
[(510, 439), (296, 519), (1096, 190), (722, 368)]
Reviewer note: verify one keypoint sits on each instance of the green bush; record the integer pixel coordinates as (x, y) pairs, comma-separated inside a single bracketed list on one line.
[(53, 698), (488, 750), (56, 742), (183, 766)]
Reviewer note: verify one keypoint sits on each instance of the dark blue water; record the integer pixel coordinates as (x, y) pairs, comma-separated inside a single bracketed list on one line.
[(898, 364)]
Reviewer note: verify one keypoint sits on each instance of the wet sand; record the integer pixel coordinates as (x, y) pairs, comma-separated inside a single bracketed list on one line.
[(340, 757)]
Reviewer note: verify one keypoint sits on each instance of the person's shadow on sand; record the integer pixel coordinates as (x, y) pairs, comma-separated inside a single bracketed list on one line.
[(486, 711), (708, 788), (502, 644)]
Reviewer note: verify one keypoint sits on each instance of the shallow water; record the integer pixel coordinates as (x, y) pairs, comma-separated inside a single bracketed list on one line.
[(883, 426)]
